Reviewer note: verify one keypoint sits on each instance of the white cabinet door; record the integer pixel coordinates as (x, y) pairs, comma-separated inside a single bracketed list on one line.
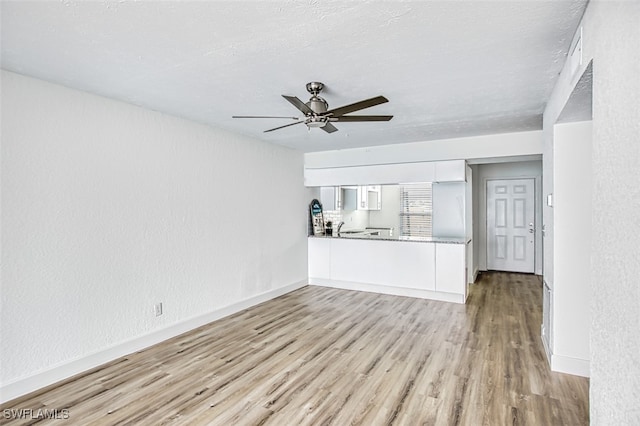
[(382, 174), (430, 266), (349, 198), (395, 264), (369, 197), (429, 171), (374, 197), (450, 268), (319, 251), (329, 197), (363, 201)]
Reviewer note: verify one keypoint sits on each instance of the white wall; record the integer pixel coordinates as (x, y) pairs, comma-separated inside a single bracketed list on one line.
[(611, 36), (484, 172), (469, 227), (475, 188), (355, 219), (572, 247), (108, 208), (489, 146)]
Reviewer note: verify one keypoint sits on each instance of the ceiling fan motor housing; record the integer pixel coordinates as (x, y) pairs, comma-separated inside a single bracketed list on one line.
[(317, 104)]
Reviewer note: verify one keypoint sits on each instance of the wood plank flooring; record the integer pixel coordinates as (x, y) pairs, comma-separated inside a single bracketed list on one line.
[(321, 356)]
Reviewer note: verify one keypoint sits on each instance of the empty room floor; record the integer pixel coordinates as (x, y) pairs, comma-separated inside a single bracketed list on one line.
[(326, 356)]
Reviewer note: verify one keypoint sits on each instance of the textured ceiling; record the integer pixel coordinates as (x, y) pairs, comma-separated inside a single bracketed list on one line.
[(448, 68)]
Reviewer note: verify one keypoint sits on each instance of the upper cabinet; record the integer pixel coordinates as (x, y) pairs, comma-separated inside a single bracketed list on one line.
[(432, 171), (369, 197), (365, 197), (349, 198), (374, 197), (330, 197)]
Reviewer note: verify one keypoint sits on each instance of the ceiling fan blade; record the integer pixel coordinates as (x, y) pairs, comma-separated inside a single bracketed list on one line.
[(356, 118), (329, 128), (282, 127), (299, 104), (261, 116), (367, 103)]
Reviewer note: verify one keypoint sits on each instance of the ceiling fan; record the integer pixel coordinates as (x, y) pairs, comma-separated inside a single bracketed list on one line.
[(317, 113)]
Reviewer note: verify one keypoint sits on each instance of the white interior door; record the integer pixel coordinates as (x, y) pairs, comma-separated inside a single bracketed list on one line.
[(510, 225)]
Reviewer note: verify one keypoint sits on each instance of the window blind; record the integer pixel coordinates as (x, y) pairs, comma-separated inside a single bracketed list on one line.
[(416, 210)]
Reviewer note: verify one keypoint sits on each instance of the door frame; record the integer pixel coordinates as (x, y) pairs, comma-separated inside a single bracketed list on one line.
[(537, 213)]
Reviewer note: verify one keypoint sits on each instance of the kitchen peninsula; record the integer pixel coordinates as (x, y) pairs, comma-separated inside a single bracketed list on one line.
[(429, 268), (429, 265)]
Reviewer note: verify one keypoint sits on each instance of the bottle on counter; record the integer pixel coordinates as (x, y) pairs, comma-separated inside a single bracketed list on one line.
[(329, 228)]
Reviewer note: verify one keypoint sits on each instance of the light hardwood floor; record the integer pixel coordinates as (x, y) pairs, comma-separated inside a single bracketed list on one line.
[(327, 356)]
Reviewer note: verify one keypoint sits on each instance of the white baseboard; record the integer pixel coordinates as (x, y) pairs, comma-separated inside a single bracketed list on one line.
[(537, 272), (475, 275), (565, 364), (394, 291), (575, 366), (57, 373)]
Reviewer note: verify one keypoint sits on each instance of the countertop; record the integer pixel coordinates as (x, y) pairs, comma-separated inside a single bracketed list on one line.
[(368, 236)]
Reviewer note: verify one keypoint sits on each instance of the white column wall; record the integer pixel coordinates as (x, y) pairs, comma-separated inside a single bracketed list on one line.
[(572, 240), (611, 36)]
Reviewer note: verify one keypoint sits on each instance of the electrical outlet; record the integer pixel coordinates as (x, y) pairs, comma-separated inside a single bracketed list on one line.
[(157, 308)]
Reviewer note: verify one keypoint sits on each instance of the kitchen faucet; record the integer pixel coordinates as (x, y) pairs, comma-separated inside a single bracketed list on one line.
[(339, 226)]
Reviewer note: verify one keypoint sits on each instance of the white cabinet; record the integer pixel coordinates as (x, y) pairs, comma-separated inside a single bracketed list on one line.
[(330, 198), (451, 268), (374, 197), (369, 197), (384, 263), (338, 198), (404, 268), (362, 198), (319, 252), (373, 174), (429, 266), (349, 196)]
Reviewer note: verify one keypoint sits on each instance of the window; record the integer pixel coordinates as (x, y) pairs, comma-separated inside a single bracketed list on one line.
[(416, 210)]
